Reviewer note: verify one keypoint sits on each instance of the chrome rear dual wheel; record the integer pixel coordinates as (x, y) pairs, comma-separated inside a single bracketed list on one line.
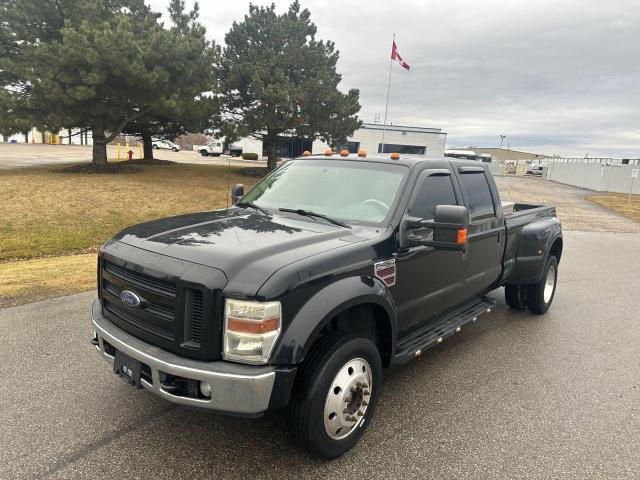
[(540, 295)]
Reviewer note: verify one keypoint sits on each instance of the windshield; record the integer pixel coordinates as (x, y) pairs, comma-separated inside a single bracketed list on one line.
[(353, 191)]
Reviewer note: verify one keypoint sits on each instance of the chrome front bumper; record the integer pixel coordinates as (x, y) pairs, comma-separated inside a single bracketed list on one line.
[(235, 389)]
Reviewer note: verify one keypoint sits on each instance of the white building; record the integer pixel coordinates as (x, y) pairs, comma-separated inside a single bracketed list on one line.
[(79, 137), (32, 136), (397, 138)]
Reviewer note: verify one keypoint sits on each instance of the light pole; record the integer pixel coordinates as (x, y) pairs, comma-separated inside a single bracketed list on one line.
[(502, 137)]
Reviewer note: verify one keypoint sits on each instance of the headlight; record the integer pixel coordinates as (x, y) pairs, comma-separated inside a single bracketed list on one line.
[(250, 330)]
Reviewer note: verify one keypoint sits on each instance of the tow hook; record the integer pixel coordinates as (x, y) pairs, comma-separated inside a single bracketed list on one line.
[(179, 386), (94, 341)]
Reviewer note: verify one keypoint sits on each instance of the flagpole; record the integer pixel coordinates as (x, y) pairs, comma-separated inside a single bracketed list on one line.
[(386, 108)]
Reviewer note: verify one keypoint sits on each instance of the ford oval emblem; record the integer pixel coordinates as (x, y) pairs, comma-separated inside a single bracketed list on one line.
[(130, 299)]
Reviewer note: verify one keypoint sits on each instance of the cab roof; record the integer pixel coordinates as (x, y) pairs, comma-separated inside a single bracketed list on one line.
[(409, 160)]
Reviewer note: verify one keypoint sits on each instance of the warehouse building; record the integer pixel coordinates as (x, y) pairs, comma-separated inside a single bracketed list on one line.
[(502, 154), (397, 138)]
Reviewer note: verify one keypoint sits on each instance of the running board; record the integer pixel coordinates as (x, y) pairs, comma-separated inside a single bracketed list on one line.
[(415, 343)]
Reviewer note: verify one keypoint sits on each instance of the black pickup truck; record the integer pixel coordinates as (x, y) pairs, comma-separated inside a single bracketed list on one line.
[(327, 271)]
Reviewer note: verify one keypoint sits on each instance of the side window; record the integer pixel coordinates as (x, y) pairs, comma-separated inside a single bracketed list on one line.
[(434, 190), (478, 194)]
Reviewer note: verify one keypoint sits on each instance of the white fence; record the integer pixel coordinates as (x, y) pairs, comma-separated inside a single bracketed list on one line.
[(497, 170), (601, 177)]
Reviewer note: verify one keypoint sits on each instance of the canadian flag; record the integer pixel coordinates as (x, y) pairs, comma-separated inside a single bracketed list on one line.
[(396, 56)]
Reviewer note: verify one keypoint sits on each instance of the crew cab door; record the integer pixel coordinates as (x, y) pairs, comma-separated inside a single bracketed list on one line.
[(486, 232), (428, 280)]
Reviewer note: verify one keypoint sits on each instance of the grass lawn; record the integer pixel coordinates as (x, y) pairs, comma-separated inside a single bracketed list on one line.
[(46, 213), (31, 280), (618, 203)]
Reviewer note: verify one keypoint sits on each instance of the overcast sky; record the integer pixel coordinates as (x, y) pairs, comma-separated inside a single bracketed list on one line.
[(554, 76)]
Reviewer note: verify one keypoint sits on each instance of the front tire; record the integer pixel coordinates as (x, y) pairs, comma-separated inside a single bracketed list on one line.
[(335, 395), (540, 295), (204, 153)]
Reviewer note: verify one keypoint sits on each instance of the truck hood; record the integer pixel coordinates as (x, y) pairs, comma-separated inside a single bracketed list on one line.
[(246, 245)]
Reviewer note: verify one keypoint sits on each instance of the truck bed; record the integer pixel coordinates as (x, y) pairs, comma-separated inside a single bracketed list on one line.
[(524, 213)]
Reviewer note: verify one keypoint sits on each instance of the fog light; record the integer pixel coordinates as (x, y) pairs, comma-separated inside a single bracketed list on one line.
[(205, 389)]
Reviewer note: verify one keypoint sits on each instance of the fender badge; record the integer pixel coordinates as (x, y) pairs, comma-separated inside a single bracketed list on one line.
[(386, 271)]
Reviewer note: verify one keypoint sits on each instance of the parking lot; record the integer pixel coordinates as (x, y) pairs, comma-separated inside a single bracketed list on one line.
[(21, 155), (512, 396)]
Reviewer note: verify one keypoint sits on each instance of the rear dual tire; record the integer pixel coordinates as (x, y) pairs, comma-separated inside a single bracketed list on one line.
[(516, 296), (335, 395), (540, 295), (537, 297)]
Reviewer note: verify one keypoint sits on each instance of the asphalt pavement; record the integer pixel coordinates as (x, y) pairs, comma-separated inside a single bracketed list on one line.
[(512, 396)]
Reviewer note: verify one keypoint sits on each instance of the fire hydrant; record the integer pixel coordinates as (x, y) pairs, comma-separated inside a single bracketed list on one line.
[(130, 153)]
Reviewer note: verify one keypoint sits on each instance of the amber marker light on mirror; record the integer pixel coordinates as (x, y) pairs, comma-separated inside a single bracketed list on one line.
[(461, 239)]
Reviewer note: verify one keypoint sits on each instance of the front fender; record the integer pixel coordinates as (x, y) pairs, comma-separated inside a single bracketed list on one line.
[(318, 311)]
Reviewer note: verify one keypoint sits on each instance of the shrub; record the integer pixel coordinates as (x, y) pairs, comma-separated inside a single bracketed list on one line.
[(249, 156)]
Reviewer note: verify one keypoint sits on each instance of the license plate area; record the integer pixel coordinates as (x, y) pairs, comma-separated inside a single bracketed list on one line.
[(127, 368)]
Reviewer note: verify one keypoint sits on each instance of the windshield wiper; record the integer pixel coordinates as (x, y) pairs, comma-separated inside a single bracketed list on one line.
[(308, 213), (252, 205)]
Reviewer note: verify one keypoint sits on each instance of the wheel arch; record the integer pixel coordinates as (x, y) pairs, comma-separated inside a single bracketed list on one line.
[(536, 242), (356, 305), (556, 248)]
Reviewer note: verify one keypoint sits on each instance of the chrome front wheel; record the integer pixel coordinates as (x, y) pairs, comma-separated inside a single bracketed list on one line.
[(335, 394), (348, 398)]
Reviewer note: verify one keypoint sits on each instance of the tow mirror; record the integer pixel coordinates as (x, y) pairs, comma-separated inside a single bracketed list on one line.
[(237, 192), (449, 229)]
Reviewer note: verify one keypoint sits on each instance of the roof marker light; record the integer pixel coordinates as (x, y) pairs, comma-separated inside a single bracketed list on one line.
[(328, 152), (344, 153), (362, 153), (395, 156), (306, 153)]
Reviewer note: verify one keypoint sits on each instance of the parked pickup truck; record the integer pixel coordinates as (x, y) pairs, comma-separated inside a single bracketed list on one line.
[(215, 149), (327, 271)]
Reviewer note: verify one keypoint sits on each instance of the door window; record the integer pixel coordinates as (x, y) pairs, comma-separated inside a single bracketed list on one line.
[(434, 190), (478, 194)]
